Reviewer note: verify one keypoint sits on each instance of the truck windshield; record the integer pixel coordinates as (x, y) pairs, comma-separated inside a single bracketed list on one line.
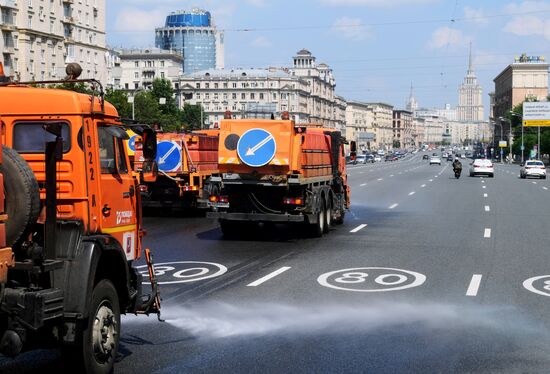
[(30, 137)]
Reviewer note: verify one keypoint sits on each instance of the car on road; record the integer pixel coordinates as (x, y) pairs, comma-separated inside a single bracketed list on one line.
[(482, 167), (425, 157), (533, 168), (435, 154), (377, 158), (391, 158), (450, 157), (361, 159), (435, 160)]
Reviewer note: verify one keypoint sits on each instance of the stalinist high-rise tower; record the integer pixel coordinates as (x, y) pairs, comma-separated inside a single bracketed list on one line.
[(470, 105)]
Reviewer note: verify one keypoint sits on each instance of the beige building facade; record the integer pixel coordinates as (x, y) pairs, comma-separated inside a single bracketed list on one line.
[(470, 94), (40, 37), (526, 78), (403, 129), (306, 91), (359, 120), (382, 123)]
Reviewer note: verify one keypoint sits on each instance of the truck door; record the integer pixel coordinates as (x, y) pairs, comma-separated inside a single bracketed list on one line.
[(118, 191)]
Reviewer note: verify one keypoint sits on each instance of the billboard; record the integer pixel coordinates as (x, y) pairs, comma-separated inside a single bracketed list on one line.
[(536, 113)]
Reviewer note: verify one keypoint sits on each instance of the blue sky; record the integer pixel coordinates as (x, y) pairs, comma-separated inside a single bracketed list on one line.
[(376, 48)]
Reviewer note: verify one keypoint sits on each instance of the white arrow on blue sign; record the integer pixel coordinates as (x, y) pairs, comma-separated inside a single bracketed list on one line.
[(168, 156), (132, 143), (256, 147)]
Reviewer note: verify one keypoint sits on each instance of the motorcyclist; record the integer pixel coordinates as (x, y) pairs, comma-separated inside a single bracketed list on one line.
[(457, 165)]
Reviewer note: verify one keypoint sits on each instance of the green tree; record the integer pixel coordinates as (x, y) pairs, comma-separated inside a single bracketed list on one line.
[(79, 87), (146, 108), (191, 116), (120, 101), (162, 88)]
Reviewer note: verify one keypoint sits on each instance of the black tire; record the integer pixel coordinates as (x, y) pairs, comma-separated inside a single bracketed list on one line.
[(328, 215), (95, 352), (22, 196), (234, 229), (317, 228)]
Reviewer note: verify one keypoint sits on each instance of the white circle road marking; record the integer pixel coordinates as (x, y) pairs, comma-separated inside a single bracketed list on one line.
[(382, 277), (529, 285), (184, 274)]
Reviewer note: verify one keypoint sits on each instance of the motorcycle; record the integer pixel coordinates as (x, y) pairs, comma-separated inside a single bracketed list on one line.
[(457, 171)]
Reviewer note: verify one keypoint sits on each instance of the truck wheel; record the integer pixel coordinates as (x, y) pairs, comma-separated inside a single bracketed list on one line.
[(22, 196), (328, 216), (101, 338), (230, 229), (317, 229)]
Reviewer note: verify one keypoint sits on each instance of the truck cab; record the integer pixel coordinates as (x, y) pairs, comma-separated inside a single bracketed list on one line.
[(74, 224)]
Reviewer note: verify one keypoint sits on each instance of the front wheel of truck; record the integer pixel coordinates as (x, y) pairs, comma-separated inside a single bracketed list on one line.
[(96, 351)]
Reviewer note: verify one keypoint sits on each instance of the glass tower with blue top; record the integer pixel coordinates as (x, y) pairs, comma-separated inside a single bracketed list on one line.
[(193, 36)]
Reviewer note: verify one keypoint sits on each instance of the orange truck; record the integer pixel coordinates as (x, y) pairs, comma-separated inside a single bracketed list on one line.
[(186, 161), (74, 225), (279, 171)]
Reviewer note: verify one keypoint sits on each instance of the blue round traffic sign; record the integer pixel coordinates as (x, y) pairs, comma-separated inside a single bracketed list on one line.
[(256, 147), (132, 143), (168, 156)]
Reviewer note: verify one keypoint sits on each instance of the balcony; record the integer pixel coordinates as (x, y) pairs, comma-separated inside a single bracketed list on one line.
[(69, 20), (8, 4)]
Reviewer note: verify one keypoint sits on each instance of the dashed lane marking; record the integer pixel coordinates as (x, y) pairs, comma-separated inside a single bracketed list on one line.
[(393, 206), (360, 227), (411, 193), (487, 233), (483, 186), (269, 276), (544, 188), (362, 184), (485, 195), (391, 175), (487, 208), (474, 285), (423, 186), (431, 180), (380, 179), (534, 182)]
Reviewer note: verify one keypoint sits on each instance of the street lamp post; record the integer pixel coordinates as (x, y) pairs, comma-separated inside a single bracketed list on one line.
[(501, 150)]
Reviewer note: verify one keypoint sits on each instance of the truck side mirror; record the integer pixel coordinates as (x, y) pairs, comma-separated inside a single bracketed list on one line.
[(149, 171), (149, 144)]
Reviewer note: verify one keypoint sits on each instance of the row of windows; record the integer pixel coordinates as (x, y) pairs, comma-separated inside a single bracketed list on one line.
[(216, 85), (244, 96), (148, 64)]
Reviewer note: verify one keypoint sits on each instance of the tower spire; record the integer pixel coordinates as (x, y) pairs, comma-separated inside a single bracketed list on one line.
[(470, 59)]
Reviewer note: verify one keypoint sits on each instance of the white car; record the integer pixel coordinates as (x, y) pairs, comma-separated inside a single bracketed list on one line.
[(435, 160), (482, 167), (533, 168), (377, 158)]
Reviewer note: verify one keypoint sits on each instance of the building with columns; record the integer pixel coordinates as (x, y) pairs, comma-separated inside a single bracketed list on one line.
[(382, 123), (359, 122), (40, 37), (470, 103), (306, 91)]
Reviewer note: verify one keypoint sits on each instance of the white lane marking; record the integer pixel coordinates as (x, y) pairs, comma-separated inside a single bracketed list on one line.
[(360, 227), (393, 206), (362, 184), (483, 186), (482, 181), (544, 188), (487, 233), (474, 285), (534, 182), (487, 208), (423, 186), (391, 175), (379, 179), (431, 180), (485, 195), (411, 193), (435, 176), (268, 276), (400, 173)]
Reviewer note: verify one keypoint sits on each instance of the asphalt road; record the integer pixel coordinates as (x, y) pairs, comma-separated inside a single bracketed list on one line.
[(428, 274)]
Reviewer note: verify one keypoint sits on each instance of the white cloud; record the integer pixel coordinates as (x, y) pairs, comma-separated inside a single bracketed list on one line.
[(137, 20), (446, 36), (376, 3), (261, 42), (528, 25), (350, 28), (475, 15), (257, 3)]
